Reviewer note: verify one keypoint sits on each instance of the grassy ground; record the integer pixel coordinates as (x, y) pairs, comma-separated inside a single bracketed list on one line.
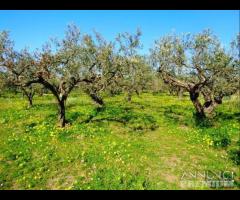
[(147, 144)]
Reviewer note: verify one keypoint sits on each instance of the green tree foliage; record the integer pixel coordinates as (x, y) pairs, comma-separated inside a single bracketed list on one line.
[(98, 59), (61, 65), (194, 63), (2, 82), (198, 64), (132, 66), (17, 66)]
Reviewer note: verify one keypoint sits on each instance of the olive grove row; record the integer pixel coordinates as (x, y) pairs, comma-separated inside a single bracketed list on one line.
[(193, 63)]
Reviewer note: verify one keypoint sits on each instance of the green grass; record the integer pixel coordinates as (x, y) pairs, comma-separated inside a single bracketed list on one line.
[(146, 144)]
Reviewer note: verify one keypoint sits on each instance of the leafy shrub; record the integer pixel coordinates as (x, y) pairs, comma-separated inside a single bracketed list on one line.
[(141, 123), (234, 155), (203, 122), (219, 137)]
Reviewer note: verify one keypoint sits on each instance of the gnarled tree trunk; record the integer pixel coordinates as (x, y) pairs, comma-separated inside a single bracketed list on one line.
[(61, 113), (30, 99), (180, 93), (96, 98), (198, 107), (210, 102), (29, 95), (129, 97)]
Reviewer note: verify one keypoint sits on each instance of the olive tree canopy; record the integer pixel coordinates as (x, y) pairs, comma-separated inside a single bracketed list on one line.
[(200, 65)]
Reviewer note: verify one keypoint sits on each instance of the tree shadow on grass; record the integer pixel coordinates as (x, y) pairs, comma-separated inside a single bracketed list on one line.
[(124, 115), (228, 116), (219, 117), (45, 106), (73, 116), (174, 114), (203, 122), (94, 114), (178, 115), (73, 104), (117, 113)]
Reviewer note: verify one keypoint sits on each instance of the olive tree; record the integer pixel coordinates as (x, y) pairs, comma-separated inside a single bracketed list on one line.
[(2, 82), (198, 64), (61, 65), (55, 70), (130, 62), (223, 76), (17, 66), (98, 59)]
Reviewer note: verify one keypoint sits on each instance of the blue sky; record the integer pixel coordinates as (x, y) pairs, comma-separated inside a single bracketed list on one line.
[(33, 28)]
